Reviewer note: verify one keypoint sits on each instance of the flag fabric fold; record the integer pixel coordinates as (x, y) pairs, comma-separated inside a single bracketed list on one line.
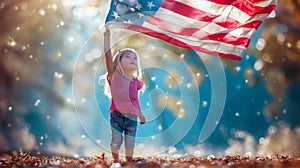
[(217, 27)]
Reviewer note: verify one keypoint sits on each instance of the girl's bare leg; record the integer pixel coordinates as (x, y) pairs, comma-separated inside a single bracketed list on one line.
[(129, 154), (115, 154)]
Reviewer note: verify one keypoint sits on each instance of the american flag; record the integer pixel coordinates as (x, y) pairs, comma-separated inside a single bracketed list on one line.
[(216, 27)]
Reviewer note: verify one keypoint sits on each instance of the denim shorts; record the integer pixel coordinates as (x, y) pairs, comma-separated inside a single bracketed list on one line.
[(122, 123)]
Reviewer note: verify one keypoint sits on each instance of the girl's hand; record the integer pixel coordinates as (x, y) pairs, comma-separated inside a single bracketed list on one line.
[(108, 57), (142, 119)]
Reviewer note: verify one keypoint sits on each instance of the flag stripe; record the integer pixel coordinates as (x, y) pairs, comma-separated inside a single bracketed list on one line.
[(247, 7), (227, 38)]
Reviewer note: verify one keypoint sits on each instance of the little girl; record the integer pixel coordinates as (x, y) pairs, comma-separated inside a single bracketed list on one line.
[(124, 84)]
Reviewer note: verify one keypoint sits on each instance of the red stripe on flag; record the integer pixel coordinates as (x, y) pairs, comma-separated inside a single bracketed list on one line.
[(246, 6), (169, 39), (254, 24), (229, 39)]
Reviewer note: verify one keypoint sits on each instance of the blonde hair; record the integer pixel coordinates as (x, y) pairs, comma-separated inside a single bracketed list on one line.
[(116, 60)]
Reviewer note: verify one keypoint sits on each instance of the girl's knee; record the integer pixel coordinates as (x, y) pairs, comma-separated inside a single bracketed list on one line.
[(116, 141), (129, 142)]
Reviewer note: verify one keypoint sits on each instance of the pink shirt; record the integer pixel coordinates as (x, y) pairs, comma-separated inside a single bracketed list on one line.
[(124, 94)]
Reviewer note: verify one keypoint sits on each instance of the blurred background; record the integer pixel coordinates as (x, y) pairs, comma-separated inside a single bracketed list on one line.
[(43, 42)]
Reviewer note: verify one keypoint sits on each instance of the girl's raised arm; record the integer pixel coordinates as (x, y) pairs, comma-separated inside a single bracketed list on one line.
[(108, 56)]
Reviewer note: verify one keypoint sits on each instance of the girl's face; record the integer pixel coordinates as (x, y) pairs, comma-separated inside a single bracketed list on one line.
[(129, 61)]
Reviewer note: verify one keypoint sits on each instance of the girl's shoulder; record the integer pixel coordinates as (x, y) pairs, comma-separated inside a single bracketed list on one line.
[(110, 77), (115, 73)]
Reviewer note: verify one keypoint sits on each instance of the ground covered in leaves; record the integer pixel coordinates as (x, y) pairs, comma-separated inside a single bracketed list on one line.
[(20, 159)]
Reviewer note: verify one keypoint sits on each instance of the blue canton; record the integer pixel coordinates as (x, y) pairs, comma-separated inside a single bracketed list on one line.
[(132, 11)]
